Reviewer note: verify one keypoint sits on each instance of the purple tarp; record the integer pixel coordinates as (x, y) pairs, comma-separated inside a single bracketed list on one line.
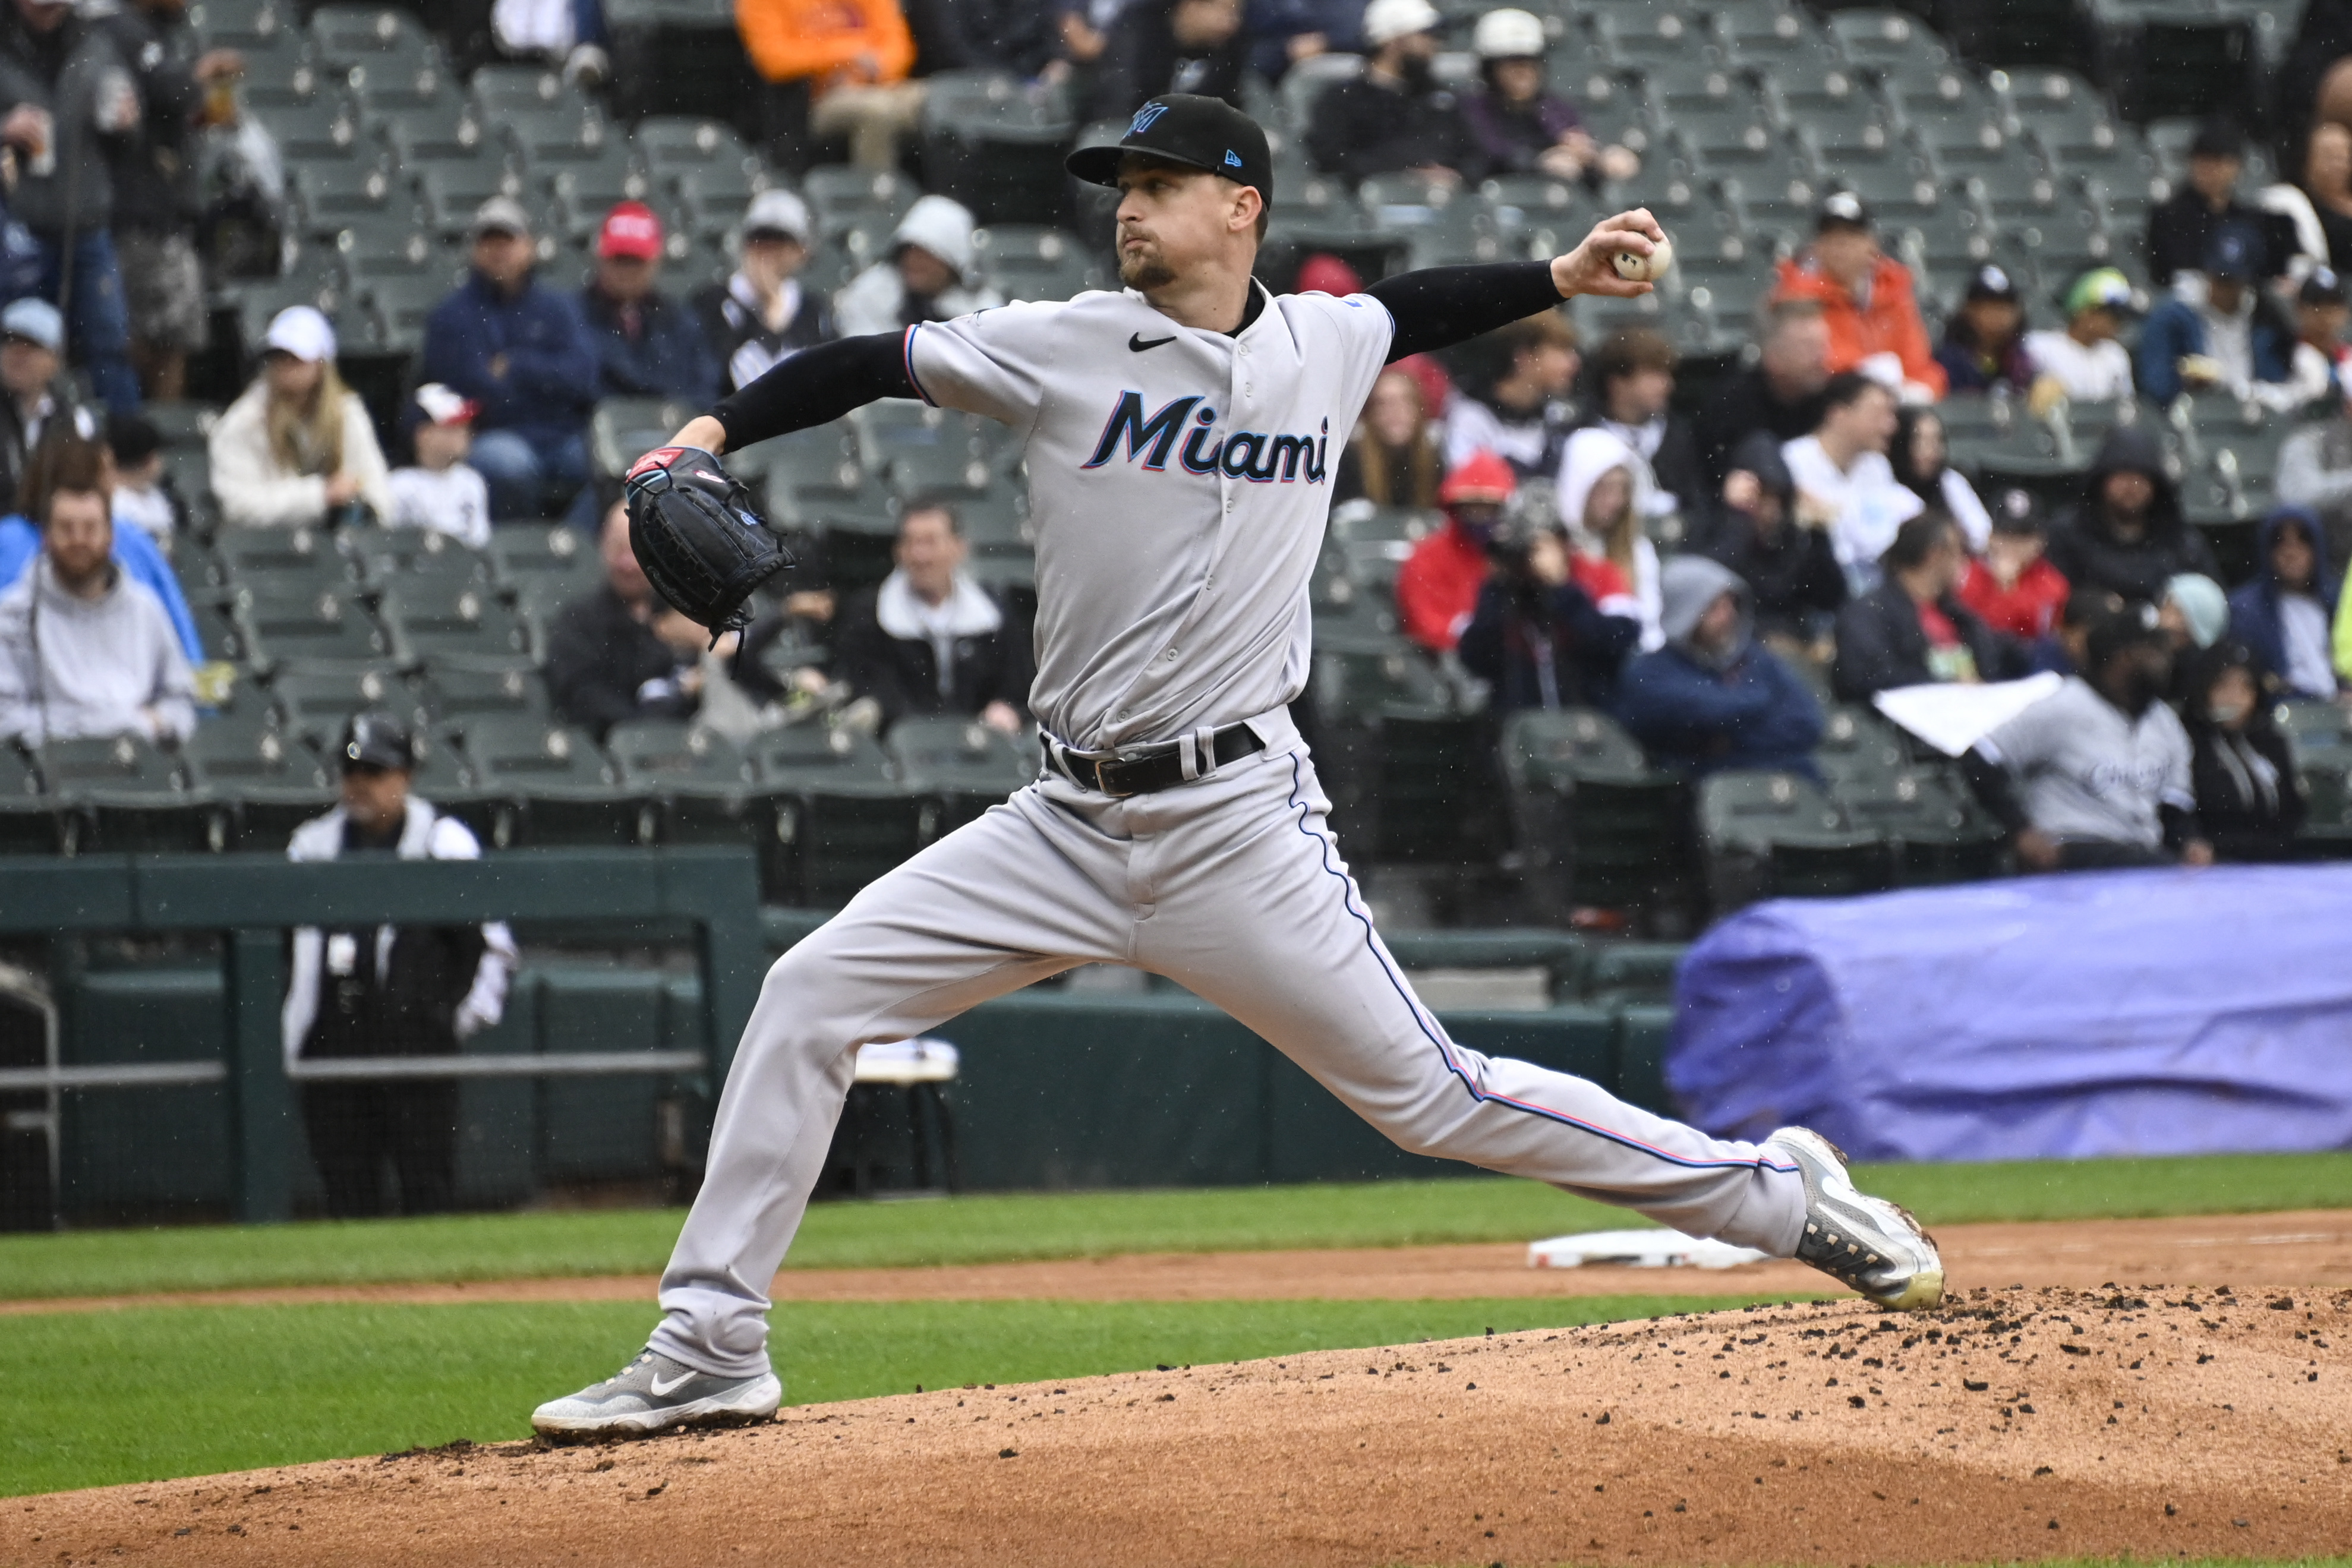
[(2142, 1012)]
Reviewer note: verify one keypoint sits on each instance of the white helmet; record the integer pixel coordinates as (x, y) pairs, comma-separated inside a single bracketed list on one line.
[(1508, 35), (1387, 20)]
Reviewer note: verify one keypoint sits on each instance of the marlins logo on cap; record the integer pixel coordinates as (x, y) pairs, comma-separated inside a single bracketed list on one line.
[(1146, 118)]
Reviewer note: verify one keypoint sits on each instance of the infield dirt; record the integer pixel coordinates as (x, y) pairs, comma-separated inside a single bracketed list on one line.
[(2022, 1423)]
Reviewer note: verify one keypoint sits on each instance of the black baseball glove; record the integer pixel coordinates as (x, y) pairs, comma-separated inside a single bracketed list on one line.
[(697, 539)]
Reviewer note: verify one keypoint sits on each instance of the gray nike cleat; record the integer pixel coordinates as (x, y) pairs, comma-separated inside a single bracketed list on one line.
[(653, 1393), (1866, 1242)]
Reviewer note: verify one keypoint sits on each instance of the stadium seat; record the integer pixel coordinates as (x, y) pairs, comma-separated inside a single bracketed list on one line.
[(567, 790), (455, 696), (703, 787), (29, 824), (2327, 812), (1779, 835), (1642, 36), (390, 556), (400, 304), (1776, 41), (392, 246), (1882, 41), (330, 195), (404, 85), (841, 198), (571, 133), (285, 560), (501, 90), (122, 794), (365, 35), (270, 781), (325, 130), (588, 187), (1595, 823), (323, 629), (1932, 823), (962, 763), (841, 818), (1029, 261), (542, 565), (455, 624), (314, 702), (623, 429), (450, 191), (996, 145)]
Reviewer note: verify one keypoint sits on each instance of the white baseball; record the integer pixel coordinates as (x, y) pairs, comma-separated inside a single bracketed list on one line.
[(1646, 268)]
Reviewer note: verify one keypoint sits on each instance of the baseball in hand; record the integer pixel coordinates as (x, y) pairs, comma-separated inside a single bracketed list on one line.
[(1647, 268)]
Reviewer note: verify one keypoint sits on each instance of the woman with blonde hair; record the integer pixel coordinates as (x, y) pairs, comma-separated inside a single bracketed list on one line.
[(1392, 459), (298, 446), (1601, 480)]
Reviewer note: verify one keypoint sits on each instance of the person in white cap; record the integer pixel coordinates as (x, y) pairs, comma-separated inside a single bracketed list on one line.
[(440, 490), (33, 395), (928, 275), (298, 446), (1518, 126), (762, 314), (1395, 116)]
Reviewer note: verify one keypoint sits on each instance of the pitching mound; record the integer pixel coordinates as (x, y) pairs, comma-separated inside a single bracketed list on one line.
[(2010, 1424)]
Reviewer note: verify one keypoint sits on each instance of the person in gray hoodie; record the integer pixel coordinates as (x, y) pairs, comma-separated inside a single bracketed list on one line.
[(929, 274), (1714, 697), (85, 650)]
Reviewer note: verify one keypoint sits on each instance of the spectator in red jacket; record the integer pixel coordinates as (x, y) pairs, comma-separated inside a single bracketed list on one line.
[(2012, 587), (1438, 588), (1866, 298)]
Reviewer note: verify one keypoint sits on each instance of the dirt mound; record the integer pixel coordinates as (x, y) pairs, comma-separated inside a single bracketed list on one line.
[(2308, 1249), (2009, 1424)]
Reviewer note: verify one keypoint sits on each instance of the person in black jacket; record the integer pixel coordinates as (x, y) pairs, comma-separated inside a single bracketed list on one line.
[(928, 640), (1780, 393), (763, 313), (1632, 375), (1790, 569), (619, 653), (1536, 637), (1395, 116), (2250, 804), (1912, 629), (1170, 46), (2127, 533), (2180, 229)]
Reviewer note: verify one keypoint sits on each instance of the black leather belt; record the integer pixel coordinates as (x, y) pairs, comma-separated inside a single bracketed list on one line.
[(1151, 770)]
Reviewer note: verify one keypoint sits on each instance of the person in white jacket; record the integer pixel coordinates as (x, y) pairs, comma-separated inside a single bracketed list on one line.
[(1603, 484), (387, 991), (298, 446)]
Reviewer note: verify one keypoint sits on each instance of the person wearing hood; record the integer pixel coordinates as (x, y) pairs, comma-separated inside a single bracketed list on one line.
[(1922, 462), (1792, 574), (928, 641), (2285, 612), (1394, 117), (2126, 533), (1438, 585), (1519, 127), (2193, 613), (2219, 332), (1845, 483), (2096, 775), (2250, 802), (1912, 629), (1714, 697), (2011, 587), (928, 275), (1536, 638), (2086, 363), (1602, 482), (522, 354)]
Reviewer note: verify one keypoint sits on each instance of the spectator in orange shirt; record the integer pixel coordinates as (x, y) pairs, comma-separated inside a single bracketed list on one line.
[(1865, 296), (1438, 587), (839, 68)]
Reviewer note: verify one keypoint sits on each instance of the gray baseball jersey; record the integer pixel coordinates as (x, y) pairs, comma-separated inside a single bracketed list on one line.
[(1179, 488), (1179, 485), (2088, 770)]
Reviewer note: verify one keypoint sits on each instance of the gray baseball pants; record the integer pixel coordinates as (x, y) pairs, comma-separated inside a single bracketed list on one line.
[(1230, 886)]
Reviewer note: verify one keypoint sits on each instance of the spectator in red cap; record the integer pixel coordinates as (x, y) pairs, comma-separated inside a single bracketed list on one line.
[(647, 344), (1439, 586)]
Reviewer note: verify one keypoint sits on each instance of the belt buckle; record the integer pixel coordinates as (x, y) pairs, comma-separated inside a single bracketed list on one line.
[(1102, 785)]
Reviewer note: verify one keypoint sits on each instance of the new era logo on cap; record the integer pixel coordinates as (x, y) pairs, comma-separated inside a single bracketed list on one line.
[(1233, 159)]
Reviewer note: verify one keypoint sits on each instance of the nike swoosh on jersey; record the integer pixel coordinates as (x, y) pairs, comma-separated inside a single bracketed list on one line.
[(664, 1390), (1136, 342)]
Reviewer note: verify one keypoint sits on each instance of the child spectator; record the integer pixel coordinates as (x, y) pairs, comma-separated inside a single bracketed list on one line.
[(2012, 587), (1984, 342), (2086, 362), (441, 491), (142, 497)]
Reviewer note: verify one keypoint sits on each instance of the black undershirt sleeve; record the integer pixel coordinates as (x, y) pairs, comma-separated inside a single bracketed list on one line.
[(816, 386), (1440, 306)]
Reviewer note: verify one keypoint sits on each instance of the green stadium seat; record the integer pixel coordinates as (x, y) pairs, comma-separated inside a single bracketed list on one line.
[(501, 90), (404, 83), (450, 191), (122, 794), (587, 190), (325, 130), (703, 786), (542, 565), (401, 303), (330, 196), (1595, 823), (389, 555), (546, 138), (358, 34), (324, 629), (29, 823), (1780, 835), (253, 30), (1886, 40), (456, 696), (996, 145), (963, 764), (1029, 261), (623, 429), (269, 780), (452, 624), (842, 198), (842, 819), (1929, 818), (285, 560), (567, 789), (314, 703)]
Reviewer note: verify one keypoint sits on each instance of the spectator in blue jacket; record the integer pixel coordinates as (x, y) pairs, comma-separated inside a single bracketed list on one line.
[(523, 355), (1535, 636), (647, 344), (2217, 330), (1714, 697), (2285, 611)]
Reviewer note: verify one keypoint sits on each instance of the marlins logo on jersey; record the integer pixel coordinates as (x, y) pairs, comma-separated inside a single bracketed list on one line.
[(1252, 454)]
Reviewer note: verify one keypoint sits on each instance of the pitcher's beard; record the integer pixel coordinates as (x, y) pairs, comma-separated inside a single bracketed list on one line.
[(1143, 270)]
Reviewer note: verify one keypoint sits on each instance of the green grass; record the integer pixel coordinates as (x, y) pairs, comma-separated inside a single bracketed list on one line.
[(148, 1393), (1082, 1224)]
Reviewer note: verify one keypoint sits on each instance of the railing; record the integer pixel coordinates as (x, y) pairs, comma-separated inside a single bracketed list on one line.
[(254, 899)]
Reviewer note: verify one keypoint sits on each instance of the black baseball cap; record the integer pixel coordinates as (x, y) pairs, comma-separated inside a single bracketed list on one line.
[(376, 740), (1187, 129), (1989, 282)]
